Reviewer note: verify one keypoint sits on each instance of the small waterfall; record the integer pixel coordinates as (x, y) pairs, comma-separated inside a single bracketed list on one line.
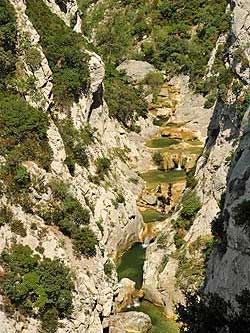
[(179, 166), (146, 243), (136, 303)]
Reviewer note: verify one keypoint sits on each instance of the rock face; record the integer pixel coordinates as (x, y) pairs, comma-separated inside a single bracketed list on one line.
[(228, 269), (125, 293), (240, 36), (129, 322), (115, 226)]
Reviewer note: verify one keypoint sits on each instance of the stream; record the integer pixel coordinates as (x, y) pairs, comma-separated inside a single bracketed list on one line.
[(179, 149)]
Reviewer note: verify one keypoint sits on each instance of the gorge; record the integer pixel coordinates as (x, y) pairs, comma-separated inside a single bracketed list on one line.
[(124, 198)]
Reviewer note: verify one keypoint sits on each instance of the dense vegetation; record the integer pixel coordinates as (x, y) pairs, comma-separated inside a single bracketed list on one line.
[(64, 51), (72, 219), (210, 313), (176, 36), (23, 131), (23, 128), (7, 42), (125, 102), (36, 286)]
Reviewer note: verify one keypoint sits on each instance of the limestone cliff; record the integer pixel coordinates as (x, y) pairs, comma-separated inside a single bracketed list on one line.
[(115, 225)]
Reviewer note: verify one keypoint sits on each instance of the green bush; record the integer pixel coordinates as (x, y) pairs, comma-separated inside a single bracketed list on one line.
[(120, 198), (108, 268), (181, 223), (58, 188), (73, 209), (178, 241), (243, 104), (162, 241), (32, 283), (190, 205), (158, 158), (33, 58), (18, 228), (24, 131), (22, 177), (102, 166), (125, 102), (191, 181), (155, 80), (85, 241), (6, 215), (64, 51)]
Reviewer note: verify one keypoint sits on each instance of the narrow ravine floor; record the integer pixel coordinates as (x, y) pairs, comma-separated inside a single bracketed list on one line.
[(175, 150)]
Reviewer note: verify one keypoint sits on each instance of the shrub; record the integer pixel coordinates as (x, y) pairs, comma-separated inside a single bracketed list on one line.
[(125, 102), (74, 210), (102, 166), (33, 58), (84, 241), (162, 241), (58, 188), (243, 104), (210, 100), (181, 223), (32, 283), (191, 181), (178, 240), (24, 131), (164, 262), (6, 215), (190, 205), (18, 228), (158, 158), (155, 80), (108, 268), (22, 177), (120, 198)]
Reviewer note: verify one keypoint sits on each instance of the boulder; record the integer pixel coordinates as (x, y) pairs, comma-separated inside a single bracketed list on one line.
[(136, 70)]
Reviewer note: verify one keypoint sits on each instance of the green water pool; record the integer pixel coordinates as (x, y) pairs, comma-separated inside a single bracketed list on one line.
[(159, 322), (158, 176), (152, 215), (161, 142), (131, 264)]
